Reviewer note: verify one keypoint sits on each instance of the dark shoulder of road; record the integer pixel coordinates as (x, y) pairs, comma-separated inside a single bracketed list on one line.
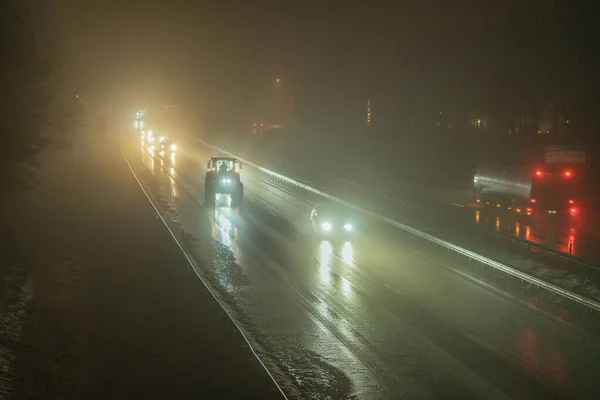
[(115, 311)]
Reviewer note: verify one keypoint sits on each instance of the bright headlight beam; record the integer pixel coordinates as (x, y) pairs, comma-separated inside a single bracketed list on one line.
[(326, 226), (173, 147)]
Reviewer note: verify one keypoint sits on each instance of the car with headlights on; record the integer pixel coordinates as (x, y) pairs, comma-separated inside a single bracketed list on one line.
[(333, 221), (166, 146)]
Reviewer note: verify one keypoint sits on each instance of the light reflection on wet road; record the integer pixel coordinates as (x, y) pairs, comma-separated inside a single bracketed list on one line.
[(578, 233), (555, 234), (388, 316)]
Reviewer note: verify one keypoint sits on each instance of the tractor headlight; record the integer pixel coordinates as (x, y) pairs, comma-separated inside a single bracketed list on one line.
[(326, 226)]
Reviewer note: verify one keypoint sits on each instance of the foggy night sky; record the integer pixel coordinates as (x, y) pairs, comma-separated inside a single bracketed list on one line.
[(219, 55)]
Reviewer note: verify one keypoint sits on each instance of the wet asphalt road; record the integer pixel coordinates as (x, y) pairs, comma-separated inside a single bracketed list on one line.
[(576, 235), (374, 317), (566, 235)]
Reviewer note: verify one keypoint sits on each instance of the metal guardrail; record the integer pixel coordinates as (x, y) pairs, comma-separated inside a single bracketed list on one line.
[(443, 243)]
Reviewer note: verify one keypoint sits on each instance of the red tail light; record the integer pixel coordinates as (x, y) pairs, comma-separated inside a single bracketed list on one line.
[(571, 201), (529, 209), (539, 173), (533, 200), (573, 211), (568, 174)]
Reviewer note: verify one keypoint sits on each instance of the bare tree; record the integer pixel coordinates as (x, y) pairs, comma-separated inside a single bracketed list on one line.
[(26, 101)]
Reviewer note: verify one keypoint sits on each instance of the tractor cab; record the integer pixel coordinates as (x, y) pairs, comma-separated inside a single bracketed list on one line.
[(222, 165), (223, 177)]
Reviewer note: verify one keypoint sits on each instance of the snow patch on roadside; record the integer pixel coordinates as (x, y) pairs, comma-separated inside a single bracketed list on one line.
[(15, 294), (560, 277)]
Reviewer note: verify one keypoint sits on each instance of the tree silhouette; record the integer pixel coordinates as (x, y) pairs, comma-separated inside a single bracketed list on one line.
[(26, 101)]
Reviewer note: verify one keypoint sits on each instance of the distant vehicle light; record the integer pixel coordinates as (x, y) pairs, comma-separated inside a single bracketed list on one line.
[(173, 147), (348, 227), (573, 211), (568, 174), (160, 139), (539, 173), (533, 200), (326, 226), (571, 201)]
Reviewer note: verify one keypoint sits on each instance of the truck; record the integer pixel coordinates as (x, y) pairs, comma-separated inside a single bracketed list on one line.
[(552, 186)]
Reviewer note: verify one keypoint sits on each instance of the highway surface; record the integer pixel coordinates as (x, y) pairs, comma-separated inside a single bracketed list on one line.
[(376, 317), (575, 235)]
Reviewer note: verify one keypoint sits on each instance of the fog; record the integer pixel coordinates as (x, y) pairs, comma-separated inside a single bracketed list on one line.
[(446, 82)]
